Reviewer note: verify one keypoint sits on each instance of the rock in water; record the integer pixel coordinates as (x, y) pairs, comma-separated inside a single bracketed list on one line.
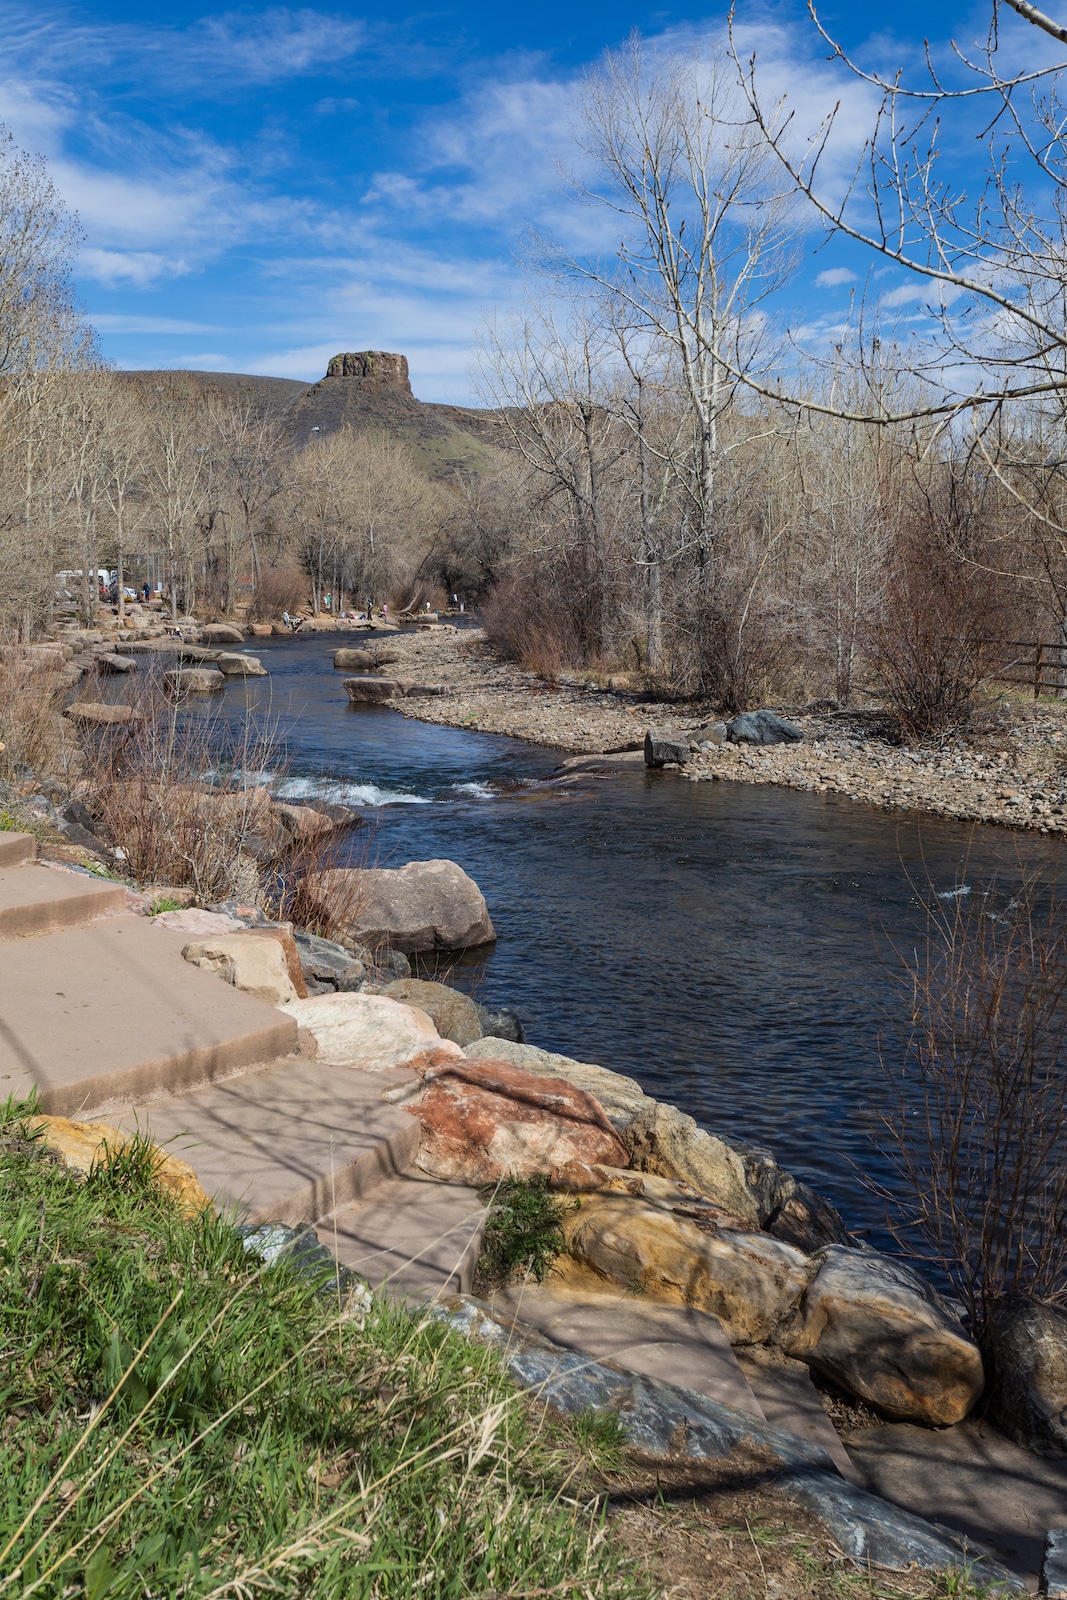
[(365, 691), (222, 633), (762, 727), (115, 663), (876, 1327), (237, 665), (454, 1015), (367, 1031), (501, 1022), (1026, 1342), (85, 711), (425, 905), (747, 1280), (354, 660), (486, 1120), (193, 680), (661, 746)]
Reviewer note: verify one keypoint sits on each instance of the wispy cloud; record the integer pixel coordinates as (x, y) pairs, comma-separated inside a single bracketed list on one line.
[(834, 277)]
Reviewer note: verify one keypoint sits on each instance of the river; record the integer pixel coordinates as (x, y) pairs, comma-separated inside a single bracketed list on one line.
[(735, 948)]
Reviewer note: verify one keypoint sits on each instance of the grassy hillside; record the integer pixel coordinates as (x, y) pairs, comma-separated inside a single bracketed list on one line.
[(444, 440)]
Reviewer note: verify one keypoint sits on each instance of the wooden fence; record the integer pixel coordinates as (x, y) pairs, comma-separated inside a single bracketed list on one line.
[(1042, 668)]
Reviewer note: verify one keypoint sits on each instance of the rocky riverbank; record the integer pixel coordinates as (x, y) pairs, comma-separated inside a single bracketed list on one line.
[(1011, 770)]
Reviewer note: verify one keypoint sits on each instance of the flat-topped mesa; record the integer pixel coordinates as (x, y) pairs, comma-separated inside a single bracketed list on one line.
[(377, 367)]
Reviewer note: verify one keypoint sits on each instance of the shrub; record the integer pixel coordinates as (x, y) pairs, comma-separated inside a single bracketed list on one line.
[(978, 1126), (523, 1231), (185, 795), (279, 589), (935, 641)]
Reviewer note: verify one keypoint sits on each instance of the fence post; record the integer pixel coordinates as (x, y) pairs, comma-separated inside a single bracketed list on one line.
[(1039, 656)]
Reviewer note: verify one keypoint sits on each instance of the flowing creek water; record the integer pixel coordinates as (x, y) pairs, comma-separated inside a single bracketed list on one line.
[(735, 948)]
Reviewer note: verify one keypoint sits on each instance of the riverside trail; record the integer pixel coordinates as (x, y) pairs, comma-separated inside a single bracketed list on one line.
[(731, 946)]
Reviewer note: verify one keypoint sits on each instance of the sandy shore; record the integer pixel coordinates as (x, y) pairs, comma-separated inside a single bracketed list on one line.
[(1012, 772)]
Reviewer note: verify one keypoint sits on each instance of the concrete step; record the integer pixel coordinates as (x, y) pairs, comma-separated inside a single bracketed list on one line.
[(790, 1400), (95, 1015), (287, 1143), (15, 848), (412, 1236), (675, 1344), (34, 899)]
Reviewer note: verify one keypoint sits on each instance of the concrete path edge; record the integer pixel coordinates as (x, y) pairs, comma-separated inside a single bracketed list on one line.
[(665, 1420)]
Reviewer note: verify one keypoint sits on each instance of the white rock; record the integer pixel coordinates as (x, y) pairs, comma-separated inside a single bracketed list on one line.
[(367, 1030)]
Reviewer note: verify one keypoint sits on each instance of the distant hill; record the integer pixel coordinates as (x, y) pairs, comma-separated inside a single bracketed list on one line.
[(366, 390)]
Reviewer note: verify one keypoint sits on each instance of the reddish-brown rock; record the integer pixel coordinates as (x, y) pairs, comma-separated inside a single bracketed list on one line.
[(486, 1120)]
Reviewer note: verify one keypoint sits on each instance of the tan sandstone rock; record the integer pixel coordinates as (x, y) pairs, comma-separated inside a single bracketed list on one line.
[(83, 1146), (354, 660), (256, 965), (486, 1120), (454, 1015), (193, 680), (749, 1281), (235, 665), (367, 1031), (371, 691), (89, 713), (877, 1329)]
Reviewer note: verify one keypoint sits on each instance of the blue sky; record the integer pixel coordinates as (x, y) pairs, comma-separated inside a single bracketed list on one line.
[(262, 187)]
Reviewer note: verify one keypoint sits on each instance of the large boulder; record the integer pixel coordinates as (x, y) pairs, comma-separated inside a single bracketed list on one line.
[(236, 665), (180, 681), (747, 1280), (454, 1015), (367, 1031), (302, 822), (247, 961), (1026, 1343), (486, 1120), (198, 923), (91, 714), (762, 727), (364, 691), (109, 662), (875, 1327), (425, 905), (658, 1137), (354, 660), (661, 746), (221, 633)]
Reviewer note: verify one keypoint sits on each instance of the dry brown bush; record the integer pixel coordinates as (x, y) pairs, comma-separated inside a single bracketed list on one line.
[(937, 639), (978, 1126), (177, 792), (279, 589), (33, 732)]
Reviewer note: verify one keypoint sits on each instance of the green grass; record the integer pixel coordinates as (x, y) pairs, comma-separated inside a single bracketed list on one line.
[(176, 1419), (165, 902), (523, 1230)]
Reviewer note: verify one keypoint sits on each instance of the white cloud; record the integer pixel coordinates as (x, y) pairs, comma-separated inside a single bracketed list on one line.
[(139, 269), (109, 322), (834, 277)]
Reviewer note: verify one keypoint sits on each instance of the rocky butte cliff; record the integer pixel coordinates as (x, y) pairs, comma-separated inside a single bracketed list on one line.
[(367, 390)]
